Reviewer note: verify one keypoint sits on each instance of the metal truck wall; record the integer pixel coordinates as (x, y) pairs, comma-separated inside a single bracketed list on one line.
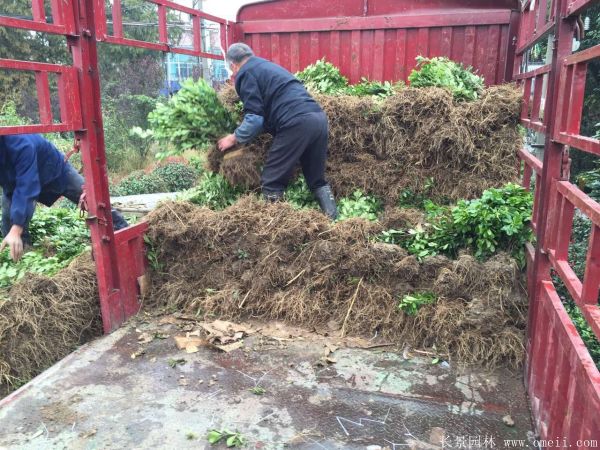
[(562, 380), (380, 39)]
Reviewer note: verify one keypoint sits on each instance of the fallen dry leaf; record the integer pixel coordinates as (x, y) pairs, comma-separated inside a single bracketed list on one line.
[(183, 342), (138, 353), (230, 347), (145, 338)]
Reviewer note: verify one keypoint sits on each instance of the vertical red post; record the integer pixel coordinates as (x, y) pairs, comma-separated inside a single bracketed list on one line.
[(85, 59), (42, 85), (163, 34), (117, 16)]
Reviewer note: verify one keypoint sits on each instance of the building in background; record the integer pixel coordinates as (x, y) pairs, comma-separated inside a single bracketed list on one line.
[(180, 67)]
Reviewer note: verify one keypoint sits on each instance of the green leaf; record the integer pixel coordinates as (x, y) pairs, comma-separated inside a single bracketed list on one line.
[(214, 436)]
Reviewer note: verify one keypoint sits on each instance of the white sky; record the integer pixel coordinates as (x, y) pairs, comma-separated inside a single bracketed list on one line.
[(227, 9)]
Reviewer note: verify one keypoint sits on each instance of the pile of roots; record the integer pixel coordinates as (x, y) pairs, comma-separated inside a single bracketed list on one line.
[(418, 139), (273, 262), (43, 319)]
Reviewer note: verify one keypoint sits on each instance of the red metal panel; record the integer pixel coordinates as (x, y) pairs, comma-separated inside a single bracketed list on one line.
[(400, 70), (334, 56), (468, 57), (315, 53), (389, 55), (423, 42), (367, 53), (474, 33), (591, 281), (568, 409), (412, 50), (355, 57), (285, 54), (437, 19), (446, 42), (458, 43), (45, 108), (481, 49), (295, 52), (275, 49), (345, 52), (265, 45), (324, 46), (378, 55), (578, 6), (305, 58), (492, 64)]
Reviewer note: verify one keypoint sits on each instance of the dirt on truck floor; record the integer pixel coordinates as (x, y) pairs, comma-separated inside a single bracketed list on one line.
[(270, 261), (418, 139)]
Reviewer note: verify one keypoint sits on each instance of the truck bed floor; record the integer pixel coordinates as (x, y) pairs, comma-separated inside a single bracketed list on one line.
[(100, 397)]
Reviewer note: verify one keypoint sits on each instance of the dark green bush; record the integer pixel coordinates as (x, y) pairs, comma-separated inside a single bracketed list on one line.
[(140, 182), (177, 176)]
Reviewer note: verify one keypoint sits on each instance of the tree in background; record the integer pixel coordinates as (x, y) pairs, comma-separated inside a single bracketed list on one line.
[(29, 46), (591, 109)]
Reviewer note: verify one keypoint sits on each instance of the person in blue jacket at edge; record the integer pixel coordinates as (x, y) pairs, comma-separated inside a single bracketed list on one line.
[(277, 102), (33, 170)]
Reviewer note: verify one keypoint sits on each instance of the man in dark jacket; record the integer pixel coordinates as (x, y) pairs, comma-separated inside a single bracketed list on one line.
[(32, 170), (277, 102)]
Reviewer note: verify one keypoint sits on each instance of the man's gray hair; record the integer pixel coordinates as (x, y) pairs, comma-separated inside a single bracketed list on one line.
[(238, 52)]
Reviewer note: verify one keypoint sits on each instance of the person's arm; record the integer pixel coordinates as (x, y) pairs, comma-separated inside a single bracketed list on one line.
[(251, 127), (254, 116), (27, 186), (27, 189)]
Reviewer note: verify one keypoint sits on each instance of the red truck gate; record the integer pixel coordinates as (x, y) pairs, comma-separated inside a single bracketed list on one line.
[(562, 380), (378, 39), (119, 256)]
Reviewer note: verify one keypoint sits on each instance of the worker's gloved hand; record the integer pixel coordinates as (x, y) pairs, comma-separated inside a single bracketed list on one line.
[(14, 242), (227, 142)]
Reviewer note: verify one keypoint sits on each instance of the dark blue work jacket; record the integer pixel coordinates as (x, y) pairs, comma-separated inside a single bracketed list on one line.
[(28, 163), (270, 91)]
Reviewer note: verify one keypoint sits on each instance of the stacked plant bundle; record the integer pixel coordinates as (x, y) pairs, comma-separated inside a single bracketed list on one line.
[(43, 319), (452, 133), (271, 261)]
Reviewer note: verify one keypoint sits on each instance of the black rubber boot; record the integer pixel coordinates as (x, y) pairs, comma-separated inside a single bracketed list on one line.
[(273, 196), (326, 200)]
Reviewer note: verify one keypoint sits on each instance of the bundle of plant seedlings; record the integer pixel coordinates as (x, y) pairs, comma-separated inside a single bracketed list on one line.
[(274, 262), (449, 139)]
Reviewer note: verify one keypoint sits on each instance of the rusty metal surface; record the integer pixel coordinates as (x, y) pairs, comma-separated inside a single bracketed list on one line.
[(101, 398)]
